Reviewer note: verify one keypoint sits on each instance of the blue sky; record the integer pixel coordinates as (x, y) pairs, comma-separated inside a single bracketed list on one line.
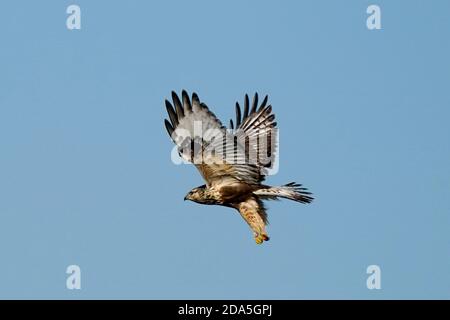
[(85, 170)]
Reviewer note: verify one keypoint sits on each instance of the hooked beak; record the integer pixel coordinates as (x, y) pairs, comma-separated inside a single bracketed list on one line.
[(186, 197)]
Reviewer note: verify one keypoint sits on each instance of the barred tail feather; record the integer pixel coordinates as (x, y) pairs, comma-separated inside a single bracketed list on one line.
[(291, 191)]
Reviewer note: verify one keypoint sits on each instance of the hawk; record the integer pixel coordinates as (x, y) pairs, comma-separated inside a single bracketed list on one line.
[(233, 161)]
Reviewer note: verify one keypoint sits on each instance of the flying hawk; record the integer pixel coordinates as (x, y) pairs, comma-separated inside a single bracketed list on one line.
[(234, 161)]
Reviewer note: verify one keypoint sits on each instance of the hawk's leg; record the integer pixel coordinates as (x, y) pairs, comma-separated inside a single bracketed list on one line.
[(253, 213)]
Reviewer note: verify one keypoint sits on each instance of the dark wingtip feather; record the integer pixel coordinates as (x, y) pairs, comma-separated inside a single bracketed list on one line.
[(178, 106), (238, 115), (195, 100), (169, 127), (172, 115), (263, 104), (270, 118), (186, 102), (254, 103), (174, 96), (246, 106)]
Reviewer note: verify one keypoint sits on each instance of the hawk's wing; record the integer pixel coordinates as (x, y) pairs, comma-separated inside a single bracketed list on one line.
[(203, 140), (256, 129)]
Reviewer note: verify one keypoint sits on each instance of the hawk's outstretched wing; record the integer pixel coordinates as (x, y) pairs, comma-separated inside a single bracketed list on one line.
[(203, 140), (256, 128), (219, 153)]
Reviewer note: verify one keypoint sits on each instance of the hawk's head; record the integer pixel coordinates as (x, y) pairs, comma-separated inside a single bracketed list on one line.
[(197, 195)]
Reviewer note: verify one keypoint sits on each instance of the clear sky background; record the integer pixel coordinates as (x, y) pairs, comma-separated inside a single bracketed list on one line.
[(85, 170)]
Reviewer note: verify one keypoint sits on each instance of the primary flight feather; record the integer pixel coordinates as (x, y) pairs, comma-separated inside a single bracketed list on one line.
[(234, 161)]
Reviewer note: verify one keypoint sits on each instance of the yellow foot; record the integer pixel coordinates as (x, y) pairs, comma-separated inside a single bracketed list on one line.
[(261, 238)]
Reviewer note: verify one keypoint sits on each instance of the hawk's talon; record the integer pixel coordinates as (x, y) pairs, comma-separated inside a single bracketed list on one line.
[(259, 239)]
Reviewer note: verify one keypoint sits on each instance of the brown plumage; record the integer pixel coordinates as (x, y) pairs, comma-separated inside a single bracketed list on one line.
[(234, 161)]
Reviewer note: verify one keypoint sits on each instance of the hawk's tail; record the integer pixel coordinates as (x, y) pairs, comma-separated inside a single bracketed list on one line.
[(292, 191)]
